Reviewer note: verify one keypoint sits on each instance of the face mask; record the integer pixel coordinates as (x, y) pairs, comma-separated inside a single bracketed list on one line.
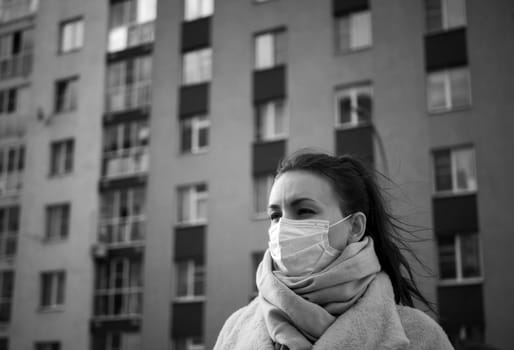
[(301, 247)]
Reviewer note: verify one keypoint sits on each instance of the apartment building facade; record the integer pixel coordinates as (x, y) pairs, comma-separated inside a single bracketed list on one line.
[(139, 140)]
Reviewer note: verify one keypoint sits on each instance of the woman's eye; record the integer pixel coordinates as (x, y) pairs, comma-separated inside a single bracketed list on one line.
[(275, 216), (305, 211)]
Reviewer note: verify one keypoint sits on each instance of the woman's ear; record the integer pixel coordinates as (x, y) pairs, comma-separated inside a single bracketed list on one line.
[(358, 222)]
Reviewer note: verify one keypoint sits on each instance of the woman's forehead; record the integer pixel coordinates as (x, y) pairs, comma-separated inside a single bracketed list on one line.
[(296, 184)]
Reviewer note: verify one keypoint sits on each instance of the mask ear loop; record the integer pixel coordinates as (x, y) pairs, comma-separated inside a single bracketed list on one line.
[(340, 221)]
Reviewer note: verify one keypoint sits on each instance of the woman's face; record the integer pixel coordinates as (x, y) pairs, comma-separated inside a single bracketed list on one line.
[(301, 195)]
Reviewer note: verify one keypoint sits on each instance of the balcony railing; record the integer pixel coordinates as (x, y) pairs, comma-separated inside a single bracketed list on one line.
[(13, 10), (8, 244), (122, 231), (122, 38), (13, 125), (118, 303), (16, 66), (10, 184), (126, 162), (127, 97)]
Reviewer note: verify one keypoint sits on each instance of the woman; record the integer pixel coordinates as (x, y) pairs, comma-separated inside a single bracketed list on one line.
[(331, 278)]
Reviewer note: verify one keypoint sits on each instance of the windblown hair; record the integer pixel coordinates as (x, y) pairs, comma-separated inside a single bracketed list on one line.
[(357, 190)]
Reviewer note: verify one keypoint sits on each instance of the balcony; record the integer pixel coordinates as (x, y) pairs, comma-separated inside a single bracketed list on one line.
[(133, 35), (128, 97), (10, 184), (12, 10), (126, 162), (13, 125), (121, 232), (118, 303), (19, 65)]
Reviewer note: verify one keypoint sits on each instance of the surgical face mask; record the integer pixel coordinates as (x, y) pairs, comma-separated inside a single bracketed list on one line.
[(301, 247)]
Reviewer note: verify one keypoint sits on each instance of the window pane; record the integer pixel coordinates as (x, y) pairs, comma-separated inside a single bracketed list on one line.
[(261, 188), (456, 13), (182, 268), (199, 280), (447, 262), (364, 106), (279, 48), (465, 169), (264, 51), (201, 209), (342, 33), (197, 66), (360, 30), (436, 91), (146, 10), (345, 110), (184, 206), (442, 170), (434, 15), (203, 136), (261, 118), (279, 122), (186, 136), (460, 87), (470, 255)]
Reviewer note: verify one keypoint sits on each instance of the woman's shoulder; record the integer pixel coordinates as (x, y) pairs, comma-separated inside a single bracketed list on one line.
[(422, 330)]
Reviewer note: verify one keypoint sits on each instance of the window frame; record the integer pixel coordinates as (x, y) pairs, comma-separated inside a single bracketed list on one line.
[(270, 120), (57, 289), (444, 17), (66, 95), (454, 191), (350, 18), (206, 10), (192, 268), (197, 124), (195, 197), (278, 49), (62, 157), (353, 91), (445, 73), (77, 31), (459, 279), (201, 74), (106, 287), (63, 211)]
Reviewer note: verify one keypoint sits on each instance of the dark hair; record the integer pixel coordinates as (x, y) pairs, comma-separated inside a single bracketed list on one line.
[(357, 190)]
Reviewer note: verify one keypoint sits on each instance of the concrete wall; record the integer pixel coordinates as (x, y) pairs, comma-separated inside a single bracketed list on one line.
[(71, 324)]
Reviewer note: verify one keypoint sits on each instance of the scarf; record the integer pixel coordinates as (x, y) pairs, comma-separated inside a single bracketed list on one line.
[(297, 310)]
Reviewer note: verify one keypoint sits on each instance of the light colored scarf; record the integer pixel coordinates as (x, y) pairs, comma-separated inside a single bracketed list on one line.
[(298, 310)]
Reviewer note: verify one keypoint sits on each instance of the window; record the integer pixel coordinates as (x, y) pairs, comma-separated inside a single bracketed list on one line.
[(9, 227), (16, 53), (190, 343), (445, 14), (123, 341), (353, 31), (71, 35), (61, 157), (123, 216), (66, 95), (192, 204), (52, 289), (194, 134), (271, 120), (270, 50), (8, 101), (455, 170), (448, 89), (129, 84), (354, 106), (12, 163), (11, 10), (57, 221), (262, 187), (197, 66), (190, 279), (126, 148), (4, 343), (6, 294), (47, 345), (459, 257), (195, 9), (119, 288), (131, 23)]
